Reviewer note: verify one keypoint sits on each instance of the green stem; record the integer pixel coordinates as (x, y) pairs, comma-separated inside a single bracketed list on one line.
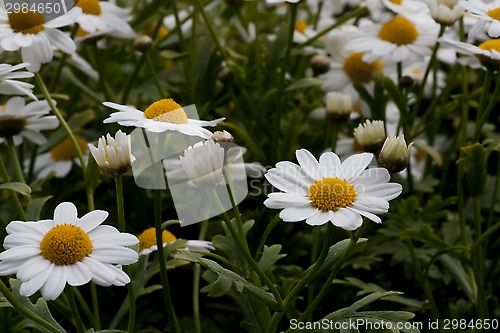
[(156, 80), (74, 310), (167, 298), (291, 297), (22, 309), (133, 79), (6, 178), (479, 264), (121, 228), (266, 233), (211, 30), (94, 53), (314, 257), (11, 151), (95, 306), (63, 122), (329, 280), (482, 117), (196, 284)]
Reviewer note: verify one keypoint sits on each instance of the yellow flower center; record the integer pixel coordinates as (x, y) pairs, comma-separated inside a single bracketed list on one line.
[(65, 244), (300, 26), (65, 151), (494, 13), (10, 126), (91, 7), (399, 31), (167, 111), (397, 2), (81, 33), (489, 45), (27, 22), (148, 238), (360, 71), (331, 194)]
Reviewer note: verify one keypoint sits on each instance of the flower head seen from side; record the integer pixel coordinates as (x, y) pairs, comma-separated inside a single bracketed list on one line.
[(486, 54), (401, 38), (25, 121), (37, 39), (113, 154), (395, 154), (488, 15), (328, 190), (371, 135), (104, 17), (9, 84), (445, 12), (60, 159), (47, 254), (147, 242), (163, 115), (203, 163)]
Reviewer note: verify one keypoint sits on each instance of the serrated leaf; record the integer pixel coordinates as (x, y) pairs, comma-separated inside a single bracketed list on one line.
[(270, 255), (304, 83), (21, 188), (226, 277), (35, 207), (40, 309)]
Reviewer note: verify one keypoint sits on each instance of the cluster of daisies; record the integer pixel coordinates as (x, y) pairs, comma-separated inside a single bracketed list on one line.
[(396, 39)]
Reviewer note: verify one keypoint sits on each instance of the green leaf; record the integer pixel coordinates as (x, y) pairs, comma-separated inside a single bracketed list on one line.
[(474, 166), (105, 331), (270, 255), (35, 207), (227, 279), (169, 54), (304, 83), (40, 309), (21, 188)]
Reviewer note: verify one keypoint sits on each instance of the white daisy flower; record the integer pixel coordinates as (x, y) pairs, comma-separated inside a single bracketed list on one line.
[(383, 10), (28, 31), (400, 38), (329, 190), (9, 84), (486, 54), (488, 15), (203, 163), (47, 254), (20, 120), (113, 154), (147, 242), (60, 159), (104, 18), (163, 115), (445, 12)]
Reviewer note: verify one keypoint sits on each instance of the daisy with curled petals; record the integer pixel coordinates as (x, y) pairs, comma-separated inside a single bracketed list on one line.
[(401, 38), (488, 15), (328, 190), (19, 120), (28, 31), (9, 84), (147, 242), (103, 17), (163, 115), (47, 254)]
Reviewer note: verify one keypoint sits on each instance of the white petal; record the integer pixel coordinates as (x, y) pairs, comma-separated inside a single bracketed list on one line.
[(319, 218), (347, 219), (20, 253), (66, 212), (114, 255), (91, 220), (78, 274), (55, 285), (354, 165), (293, 214), (309, 163), (30, 287), (329, 164), (31, 268)]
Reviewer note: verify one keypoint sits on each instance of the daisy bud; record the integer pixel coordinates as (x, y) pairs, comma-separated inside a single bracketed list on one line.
[(406, 82), (445, 12), (113, 154), (320, 64), (143, 43), (371, 135), (225, 75), (203, 163), (395, 154), (222, 136), (338, 106)]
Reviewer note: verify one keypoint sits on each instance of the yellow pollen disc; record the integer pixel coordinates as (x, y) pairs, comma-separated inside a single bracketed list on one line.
[(360, 71), (397, 2), (162, 31), (148, 238), (331, 194), (489, 45), (91, 7), (167, 111), (300, 26), (81, 33), (65, 151), (494, 13), (27, 22), (399, 31), (65, 244)]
